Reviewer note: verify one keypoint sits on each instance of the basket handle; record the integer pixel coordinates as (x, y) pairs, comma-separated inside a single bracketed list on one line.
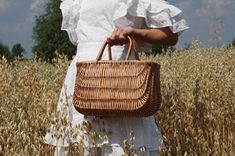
[(131, 46)]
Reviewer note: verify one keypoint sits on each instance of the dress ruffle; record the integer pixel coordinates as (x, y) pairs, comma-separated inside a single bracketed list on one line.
[(157, 14), (70, 12)]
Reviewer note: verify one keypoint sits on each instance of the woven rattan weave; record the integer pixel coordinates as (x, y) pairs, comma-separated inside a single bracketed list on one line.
[(122, 88)]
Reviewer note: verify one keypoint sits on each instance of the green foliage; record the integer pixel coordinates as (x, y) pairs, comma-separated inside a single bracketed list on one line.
[(5, 52), (158, 49), (17, 51), (233, 43), (48, 35)]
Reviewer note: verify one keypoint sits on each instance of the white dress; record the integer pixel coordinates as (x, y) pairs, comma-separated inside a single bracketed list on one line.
[(88, 23)]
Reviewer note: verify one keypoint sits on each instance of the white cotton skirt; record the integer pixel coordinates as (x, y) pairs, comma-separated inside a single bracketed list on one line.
[(70, 126)]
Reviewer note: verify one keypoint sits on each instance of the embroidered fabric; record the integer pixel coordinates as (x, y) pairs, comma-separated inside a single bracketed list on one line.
[(126, 13)]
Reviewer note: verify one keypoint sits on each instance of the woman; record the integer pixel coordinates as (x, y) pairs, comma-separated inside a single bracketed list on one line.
[(88, 24)]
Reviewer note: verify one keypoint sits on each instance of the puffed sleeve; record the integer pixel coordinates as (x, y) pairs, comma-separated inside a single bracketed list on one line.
[(70, 15), (157, 14)]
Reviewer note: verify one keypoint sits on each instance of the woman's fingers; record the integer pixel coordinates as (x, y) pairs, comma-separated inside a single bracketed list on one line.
[(114, 34), (119, 36)]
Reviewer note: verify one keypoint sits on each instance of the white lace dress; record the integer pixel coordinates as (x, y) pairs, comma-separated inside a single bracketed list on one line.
[(88, 23)]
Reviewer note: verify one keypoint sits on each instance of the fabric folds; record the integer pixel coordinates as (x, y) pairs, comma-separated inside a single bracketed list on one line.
[(156, 13), (70, 12)]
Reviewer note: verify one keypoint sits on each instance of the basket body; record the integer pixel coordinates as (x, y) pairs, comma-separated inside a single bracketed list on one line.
[(124, 88)]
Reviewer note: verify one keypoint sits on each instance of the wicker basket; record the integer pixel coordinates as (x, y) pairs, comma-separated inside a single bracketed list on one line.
[(123, 88)]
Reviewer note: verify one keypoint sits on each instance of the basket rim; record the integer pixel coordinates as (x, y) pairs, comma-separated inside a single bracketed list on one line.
[(118, 61)]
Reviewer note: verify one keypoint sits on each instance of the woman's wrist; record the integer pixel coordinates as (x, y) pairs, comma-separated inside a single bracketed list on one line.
[(139, 33)]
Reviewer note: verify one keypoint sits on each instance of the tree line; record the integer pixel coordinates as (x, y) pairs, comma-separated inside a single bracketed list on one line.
[(47, 35), (16, 51)]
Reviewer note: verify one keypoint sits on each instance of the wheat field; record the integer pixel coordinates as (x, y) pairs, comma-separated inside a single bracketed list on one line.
[(197, 116)]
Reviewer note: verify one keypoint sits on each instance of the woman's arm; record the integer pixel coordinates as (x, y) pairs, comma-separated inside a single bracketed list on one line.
[(162, 36)]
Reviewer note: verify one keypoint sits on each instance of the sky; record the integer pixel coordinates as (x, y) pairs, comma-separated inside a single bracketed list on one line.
[(211, 21)]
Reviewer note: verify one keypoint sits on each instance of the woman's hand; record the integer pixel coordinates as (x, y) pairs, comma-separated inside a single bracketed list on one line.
[(119, 36)]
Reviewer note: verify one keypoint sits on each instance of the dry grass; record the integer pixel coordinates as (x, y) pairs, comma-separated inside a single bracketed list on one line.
[(197, 116)]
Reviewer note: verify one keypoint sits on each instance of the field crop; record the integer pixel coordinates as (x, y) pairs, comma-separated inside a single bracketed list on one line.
[(197, 116)]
